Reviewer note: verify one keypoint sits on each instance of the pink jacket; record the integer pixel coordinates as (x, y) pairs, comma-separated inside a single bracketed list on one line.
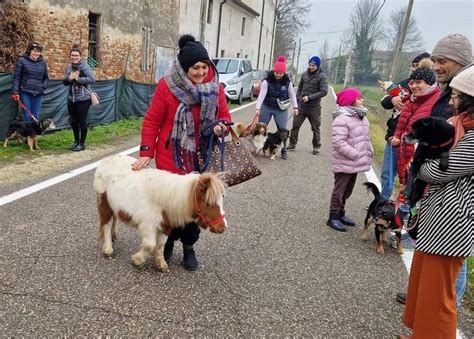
[(352, 151)]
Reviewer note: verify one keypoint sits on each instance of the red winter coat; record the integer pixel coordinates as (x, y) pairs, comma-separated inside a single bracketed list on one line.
[(158, 124), (414, 110)]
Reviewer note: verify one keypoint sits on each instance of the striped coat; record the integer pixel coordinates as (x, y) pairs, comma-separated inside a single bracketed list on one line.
[(447, 211)]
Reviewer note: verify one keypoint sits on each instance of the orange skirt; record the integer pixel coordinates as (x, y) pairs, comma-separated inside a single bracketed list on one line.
[(430, 309)]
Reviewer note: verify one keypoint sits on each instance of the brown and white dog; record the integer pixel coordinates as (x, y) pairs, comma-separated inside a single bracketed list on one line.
[(154, 202), (259, 135), (31, 130)]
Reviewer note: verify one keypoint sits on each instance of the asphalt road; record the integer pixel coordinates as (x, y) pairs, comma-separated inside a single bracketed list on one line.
[(277, 271)]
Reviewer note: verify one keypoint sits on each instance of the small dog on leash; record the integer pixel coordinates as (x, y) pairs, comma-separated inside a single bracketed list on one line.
[(275, 141), (386, 216), (31, 130), (259, 135)]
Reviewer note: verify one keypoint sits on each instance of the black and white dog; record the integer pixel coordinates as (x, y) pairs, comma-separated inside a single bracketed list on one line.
[(275, 141), (31, 130)]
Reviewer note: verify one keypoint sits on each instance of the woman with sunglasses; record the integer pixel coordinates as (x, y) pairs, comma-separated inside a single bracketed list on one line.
[(30, 81)]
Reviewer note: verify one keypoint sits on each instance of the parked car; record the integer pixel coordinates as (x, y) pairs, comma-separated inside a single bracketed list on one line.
[(235, 74), (257, 76)]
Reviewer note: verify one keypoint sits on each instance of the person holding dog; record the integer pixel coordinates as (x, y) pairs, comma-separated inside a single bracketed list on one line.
[(276, 93), (424, 91), (352, 153), (395, 102), (312, 87), (446, 225), (30, 80), (78, 77), (185, 103)]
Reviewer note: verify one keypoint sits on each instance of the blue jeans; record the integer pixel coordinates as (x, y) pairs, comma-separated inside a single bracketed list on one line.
[(281, 117), (32, 103), (461, 283), (387, 178)]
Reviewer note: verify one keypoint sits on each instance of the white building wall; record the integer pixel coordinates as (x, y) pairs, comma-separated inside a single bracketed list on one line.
[(231, 41)]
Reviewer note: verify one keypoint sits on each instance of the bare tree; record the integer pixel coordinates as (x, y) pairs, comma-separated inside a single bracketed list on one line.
[(291, 20), (413, 39), (367, 33)]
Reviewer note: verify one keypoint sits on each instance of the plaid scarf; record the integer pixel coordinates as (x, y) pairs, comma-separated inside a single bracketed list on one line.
[(183, 136)]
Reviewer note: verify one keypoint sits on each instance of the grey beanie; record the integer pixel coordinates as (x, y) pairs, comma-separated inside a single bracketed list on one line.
[(455, 47), (464, 81)]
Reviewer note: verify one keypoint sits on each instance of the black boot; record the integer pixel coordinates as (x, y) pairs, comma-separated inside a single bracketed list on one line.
[(189, 258), (74, 145), (168, 250)]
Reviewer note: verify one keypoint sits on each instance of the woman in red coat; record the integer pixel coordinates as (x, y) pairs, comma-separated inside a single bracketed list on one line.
[(424, 95), (187, 100)]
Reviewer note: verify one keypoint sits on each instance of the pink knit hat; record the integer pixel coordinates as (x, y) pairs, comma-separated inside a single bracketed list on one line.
[(347, 96), (280, 65)]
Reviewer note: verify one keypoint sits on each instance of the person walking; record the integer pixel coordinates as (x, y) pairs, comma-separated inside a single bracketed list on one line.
[(30, 80), (275, 91), (312, 87), (78, 77), (185, 103), (446, 227), (352, 153)]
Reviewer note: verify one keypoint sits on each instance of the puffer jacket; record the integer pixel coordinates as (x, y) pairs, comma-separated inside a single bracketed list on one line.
[(79, 89), (159, 121), (31, 76), (315, 86), (352, 151)]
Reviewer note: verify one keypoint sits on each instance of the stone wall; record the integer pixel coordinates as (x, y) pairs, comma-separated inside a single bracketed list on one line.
[(59, 24)]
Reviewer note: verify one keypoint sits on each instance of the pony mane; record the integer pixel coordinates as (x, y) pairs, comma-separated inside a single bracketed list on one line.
[(212, 185)]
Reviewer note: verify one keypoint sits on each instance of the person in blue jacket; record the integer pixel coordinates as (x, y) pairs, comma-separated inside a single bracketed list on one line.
[(30, 80)]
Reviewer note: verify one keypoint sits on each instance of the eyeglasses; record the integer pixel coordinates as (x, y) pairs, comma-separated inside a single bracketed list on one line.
[(36, 45)]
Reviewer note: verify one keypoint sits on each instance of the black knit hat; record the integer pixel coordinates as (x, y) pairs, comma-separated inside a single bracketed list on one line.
[(418, 58), (191, 51), (425, 74)]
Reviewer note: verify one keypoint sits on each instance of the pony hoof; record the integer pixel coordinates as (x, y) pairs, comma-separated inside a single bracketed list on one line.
[(364, 236), (164, 269), (138, 259), (107, 251)]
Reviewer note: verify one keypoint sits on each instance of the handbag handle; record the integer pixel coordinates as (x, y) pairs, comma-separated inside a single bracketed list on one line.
[(209, 134)]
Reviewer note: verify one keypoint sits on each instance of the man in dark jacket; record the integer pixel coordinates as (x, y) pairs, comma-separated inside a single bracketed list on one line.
[(312, 87), (30, 80), (451, 55)]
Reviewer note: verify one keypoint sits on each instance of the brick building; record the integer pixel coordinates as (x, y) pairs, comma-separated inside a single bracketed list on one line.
[(116, 36)]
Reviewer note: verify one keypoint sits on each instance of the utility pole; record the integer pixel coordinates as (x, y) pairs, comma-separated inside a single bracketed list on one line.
[(348, 74), (293, 57), (401, 40), (337, 65), (298, 59), (275, 18), (260, 35)]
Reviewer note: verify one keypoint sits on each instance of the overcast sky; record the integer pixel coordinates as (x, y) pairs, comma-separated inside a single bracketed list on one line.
[(435, 19)]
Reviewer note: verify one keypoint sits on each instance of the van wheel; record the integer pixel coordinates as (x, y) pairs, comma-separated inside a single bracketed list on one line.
[(240, 98), (251, 96)]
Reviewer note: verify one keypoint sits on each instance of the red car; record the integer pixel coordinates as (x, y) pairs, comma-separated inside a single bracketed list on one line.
[(257, 77)]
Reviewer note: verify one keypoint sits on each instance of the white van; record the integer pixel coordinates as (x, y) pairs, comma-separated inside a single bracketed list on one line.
[(236, 76)]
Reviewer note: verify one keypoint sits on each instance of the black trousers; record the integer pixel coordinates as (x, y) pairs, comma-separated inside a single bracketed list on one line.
[(188, 235), (314, 116), (78, 113)]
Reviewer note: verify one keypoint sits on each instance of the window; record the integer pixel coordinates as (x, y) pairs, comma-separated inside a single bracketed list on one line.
[(238, 55), (145, 63), (242, 31), (209, 11), (222, 53), (230, 20), (93, 47)]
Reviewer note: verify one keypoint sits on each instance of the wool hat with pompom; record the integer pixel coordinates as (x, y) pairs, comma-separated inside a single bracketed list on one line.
[(191, 51), (424, 72), (464, 81), (347, 96), (280, 65)]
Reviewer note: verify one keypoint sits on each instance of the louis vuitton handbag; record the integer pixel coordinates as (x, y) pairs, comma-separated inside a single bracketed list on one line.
[(234, 158)]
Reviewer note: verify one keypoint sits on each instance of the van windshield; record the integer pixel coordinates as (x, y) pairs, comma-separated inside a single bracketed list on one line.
[(226, 66)]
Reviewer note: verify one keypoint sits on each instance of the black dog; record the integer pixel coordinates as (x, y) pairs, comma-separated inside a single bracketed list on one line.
[(385, 215), (30, 130), (274, 141), (435, 138)]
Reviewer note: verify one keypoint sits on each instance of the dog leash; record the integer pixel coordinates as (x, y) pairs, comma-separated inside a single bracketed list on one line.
[(208, 133), (253, 122), (22, 105)]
